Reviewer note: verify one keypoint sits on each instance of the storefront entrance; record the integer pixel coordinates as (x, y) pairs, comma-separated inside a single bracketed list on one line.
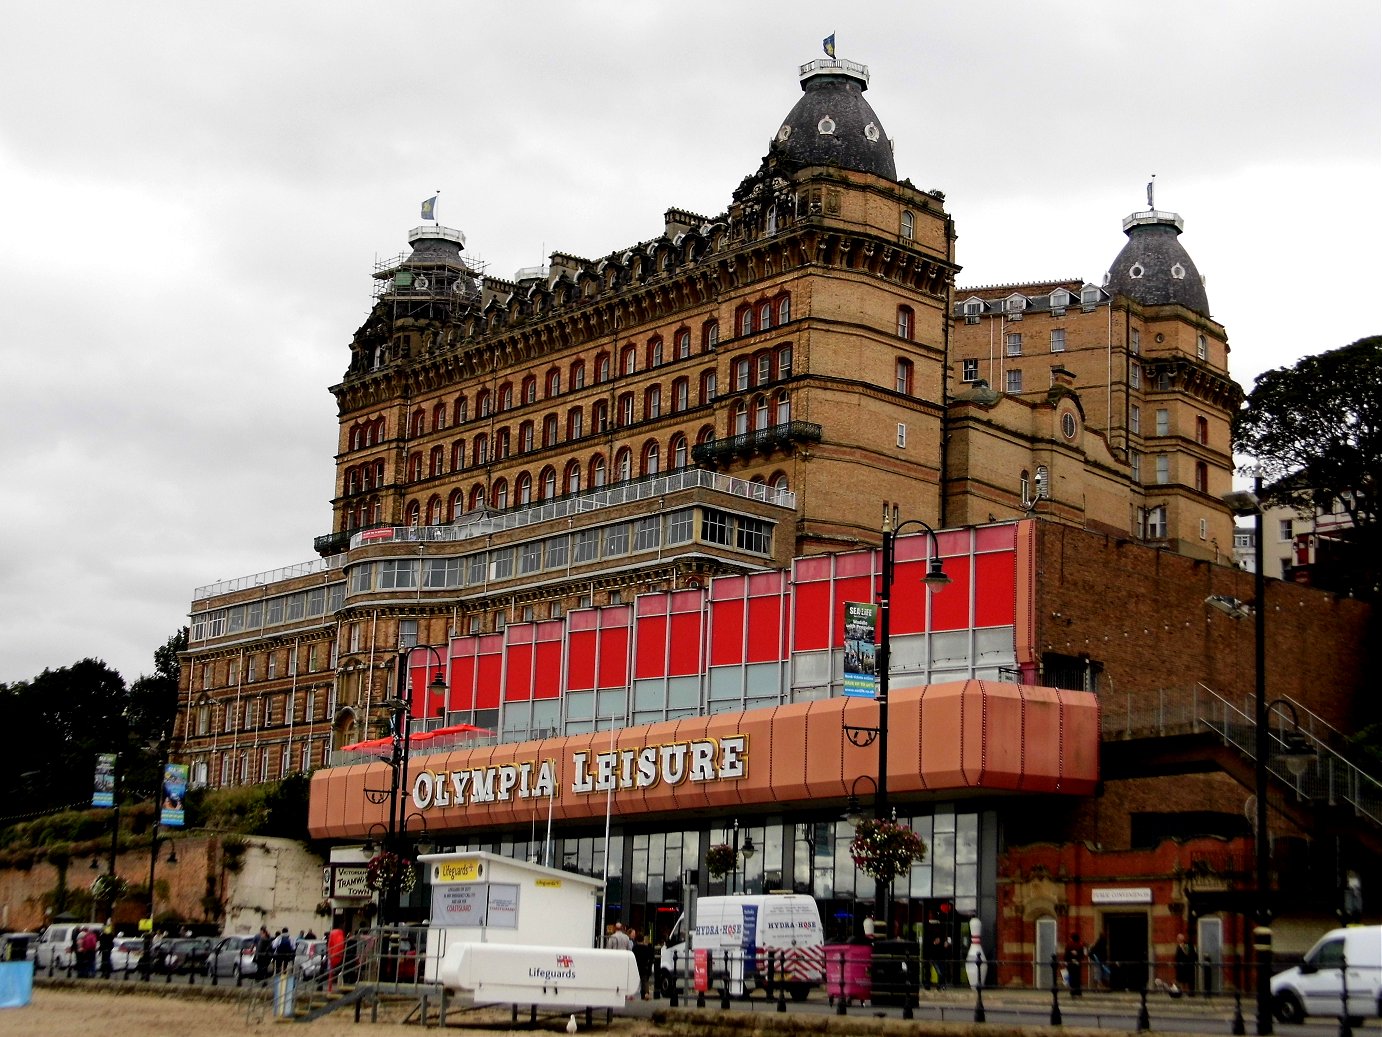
[(1127, 949)]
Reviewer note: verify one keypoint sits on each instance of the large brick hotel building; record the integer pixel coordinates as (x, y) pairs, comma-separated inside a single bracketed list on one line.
[(617, 505)]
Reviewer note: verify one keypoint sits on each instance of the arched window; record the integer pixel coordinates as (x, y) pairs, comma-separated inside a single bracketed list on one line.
[(652, 402), (412, 514), (624, 408), (414, 467), (710, 335), (354, 438), (743, 373), (597, 471), (506, 397), (905, 321), (784, 309), (477, 497), (779, 481), (765, 316), (501, 444), (682, 343), (553, 382), (378, 431), (481, 453), (529, 389), (1202, 430), (549, 430), (437, 465), (523, 490), (500, 494), (628, 360), (455, 505), (738, 419), (707, 389), (760, 413), (651, 458), (1201, 476), (573, 477), (525, 437), (903, 376), (746, 321), (599, 417), (623, 464), (458, 455), (549, 483), (784, 361), (705, 435), (434, 512), (602, 368), (439, 416), (783, 407), (419, 422), (681, 395), (484, 403), (352, 480), (909, 225), (677, 452), (578, 374), (378, 473), (575, 427), (655, 351)]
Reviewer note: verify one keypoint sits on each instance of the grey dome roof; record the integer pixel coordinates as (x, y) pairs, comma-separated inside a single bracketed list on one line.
[(1153, 268), (832, 124)]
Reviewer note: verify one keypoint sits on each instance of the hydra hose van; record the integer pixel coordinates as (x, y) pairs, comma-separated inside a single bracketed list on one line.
[(1316, 985), (742, 935)]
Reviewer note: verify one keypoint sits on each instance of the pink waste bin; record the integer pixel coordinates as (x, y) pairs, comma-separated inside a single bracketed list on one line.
[(848, 972)]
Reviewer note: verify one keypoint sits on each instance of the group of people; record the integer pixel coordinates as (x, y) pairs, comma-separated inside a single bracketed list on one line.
[(1100, 971), (621, 939), (275, 952)]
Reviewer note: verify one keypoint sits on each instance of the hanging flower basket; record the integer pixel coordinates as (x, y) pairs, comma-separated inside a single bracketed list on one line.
[(387, 869), (721, 859), (883, 850), (107, 887)]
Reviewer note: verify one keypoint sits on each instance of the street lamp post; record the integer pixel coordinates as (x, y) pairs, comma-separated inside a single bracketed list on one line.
[(1243, 503), (935, 579), (401, 708)]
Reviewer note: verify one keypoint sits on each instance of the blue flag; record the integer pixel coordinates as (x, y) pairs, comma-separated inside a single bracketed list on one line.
[(829, 44), (429, 208)]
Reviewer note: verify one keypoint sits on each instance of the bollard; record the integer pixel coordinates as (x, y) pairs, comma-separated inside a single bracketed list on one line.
[(1345, 1028), (724, 985), (840, 1000), (1055, 990), (979, 1015), (709, 979), (676, 975), (1144, 1022), (1239, 1028), (781, 979), (910, 968)]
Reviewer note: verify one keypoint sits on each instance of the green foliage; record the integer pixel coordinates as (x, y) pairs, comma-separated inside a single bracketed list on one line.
[(1315, 430)]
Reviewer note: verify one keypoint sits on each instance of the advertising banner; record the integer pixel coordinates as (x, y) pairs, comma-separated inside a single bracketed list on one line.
[(861, 651), (104, 793), (174, 794), (748, 941)]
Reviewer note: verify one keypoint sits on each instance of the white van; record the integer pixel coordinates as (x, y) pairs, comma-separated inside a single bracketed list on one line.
[(54, 948), (1316, 985), (740, 932)]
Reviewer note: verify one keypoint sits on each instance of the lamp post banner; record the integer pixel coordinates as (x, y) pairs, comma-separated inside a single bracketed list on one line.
[(103, 794), (174, 794), (861, 649)]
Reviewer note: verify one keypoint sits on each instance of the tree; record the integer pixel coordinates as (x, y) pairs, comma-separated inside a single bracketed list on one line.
[(1315, 430)]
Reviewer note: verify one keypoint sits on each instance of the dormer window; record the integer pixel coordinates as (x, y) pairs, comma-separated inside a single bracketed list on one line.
[(1060, 299), (1089, 297), (1014, 305), (973, 308)]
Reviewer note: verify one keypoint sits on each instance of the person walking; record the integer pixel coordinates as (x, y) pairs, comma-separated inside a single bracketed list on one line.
[(283, 951), (618, 940), (1185, 964), (263, 954), (1074, 964), (644, 954)]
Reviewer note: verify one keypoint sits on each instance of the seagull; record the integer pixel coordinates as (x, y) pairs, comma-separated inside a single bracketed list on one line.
[(571, 1023)]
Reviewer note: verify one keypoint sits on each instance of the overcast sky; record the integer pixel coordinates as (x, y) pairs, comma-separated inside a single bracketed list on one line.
[(193, 197)]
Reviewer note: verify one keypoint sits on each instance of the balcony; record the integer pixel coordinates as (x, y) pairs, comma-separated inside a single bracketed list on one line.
[(719, 453)]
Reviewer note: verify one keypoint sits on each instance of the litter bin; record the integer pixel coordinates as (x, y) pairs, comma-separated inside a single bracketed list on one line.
[(17, 947), (848, 974), (896, 971)]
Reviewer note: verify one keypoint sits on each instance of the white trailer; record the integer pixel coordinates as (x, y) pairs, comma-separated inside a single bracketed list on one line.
[(509, 931)]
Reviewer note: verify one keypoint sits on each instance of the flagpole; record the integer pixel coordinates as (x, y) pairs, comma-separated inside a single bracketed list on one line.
[(609, 809)]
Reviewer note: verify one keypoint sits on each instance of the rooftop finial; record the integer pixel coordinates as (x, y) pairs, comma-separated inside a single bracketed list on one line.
[(1151, 187)]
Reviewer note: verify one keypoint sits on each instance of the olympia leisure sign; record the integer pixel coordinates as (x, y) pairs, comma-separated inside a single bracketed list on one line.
[(675, 763)]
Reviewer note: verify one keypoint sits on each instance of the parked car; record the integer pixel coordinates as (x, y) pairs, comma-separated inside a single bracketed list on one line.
[(54, 947), (125, 953), (183, 955), (311, 958), (232, 956), (18, 946)]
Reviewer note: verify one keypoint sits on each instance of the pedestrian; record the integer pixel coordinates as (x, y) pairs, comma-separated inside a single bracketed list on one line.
[(619, 940), (283, 951), (643, 954), (263, 954), (86, 954), (1185, 964), (1074, 964), (106, 944), (870, 928), (1099, 973)]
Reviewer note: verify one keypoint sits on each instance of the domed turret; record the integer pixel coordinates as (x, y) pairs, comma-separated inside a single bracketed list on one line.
[(832, 124), (1154, 268)]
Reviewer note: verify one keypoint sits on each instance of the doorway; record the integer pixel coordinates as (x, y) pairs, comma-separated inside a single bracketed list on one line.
[(1127, 949)]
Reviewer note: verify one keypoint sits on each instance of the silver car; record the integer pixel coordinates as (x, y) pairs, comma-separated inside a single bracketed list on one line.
[(233, 956)]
